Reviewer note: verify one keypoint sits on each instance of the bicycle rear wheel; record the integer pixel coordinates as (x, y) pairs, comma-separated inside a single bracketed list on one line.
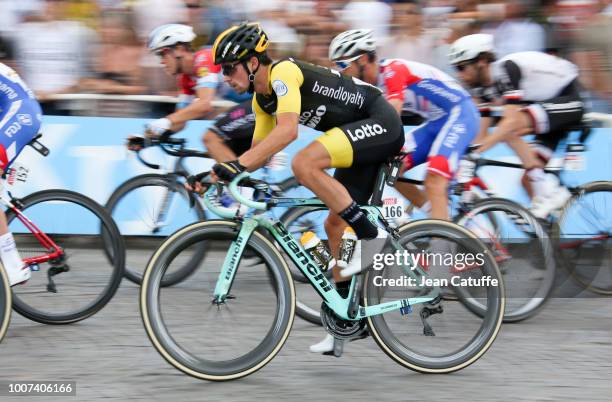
[(218, 342), (457, 337), (147, 209), (5, 303), (74, 287), (584, 237), (522, 250)]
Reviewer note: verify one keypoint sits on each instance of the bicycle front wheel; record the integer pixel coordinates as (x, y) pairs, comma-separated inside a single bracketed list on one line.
[(522, 250), (439, 336), (5, 303), (147, 209), (84, 279), (213, 341), (584, 235)]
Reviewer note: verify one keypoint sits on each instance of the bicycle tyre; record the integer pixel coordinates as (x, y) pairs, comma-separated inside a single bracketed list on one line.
[(112, 239), (489, 206), (132, 273), (5, 303), (559, 231), (152, 316), (478, 344)]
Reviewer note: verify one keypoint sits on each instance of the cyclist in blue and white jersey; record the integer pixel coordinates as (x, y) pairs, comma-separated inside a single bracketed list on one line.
[(451, 119), (20, 119)]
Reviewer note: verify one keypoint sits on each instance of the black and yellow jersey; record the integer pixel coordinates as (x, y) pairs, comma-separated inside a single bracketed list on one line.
[(324, 98)]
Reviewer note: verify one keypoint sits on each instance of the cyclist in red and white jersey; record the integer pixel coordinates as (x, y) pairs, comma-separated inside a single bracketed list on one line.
[(540, 94), (197, 76), (199, 81)]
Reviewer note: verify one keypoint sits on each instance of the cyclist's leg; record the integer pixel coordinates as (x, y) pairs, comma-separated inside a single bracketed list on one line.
[(231, 134), (458, 130), (365, 142), (550, 119), (26, 122), (418, 143), (359, 181)]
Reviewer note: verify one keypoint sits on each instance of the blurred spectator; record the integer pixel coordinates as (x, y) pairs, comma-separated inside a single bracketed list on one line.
[(53, 54), (153, 13), (6, 52), (594, 57), (85, 11), (217, 17), (316, 49), (517, 33), (283, 38), (374, 15), (408, 40), (117, 62), (195, 17), (16, 11), (148, 15)]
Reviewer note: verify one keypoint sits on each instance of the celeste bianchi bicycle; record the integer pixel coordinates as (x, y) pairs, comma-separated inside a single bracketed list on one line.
[(230, 319)]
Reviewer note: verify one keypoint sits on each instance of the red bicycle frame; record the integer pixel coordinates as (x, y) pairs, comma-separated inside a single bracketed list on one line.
[(54, 250)]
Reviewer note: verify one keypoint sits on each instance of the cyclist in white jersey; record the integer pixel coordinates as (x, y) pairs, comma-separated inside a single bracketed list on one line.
[(541, 96)]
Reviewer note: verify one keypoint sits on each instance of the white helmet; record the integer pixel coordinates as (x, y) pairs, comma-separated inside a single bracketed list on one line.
[(352, 43), (169, 35), (469, 47)]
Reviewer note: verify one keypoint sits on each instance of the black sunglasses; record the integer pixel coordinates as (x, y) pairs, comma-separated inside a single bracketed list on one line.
[(228, 69), (461, 67)]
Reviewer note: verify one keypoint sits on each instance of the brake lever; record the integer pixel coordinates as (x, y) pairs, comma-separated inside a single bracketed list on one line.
[(144, 162)]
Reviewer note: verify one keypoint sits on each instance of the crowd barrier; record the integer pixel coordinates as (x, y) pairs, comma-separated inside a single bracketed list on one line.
[(88, 155)]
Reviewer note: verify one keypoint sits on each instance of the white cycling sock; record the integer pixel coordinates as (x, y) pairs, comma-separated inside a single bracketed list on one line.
[(11, 260)]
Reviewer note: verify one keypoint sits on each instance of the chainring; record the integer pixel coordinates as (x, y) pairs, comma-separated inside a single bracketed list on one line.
[(340, 328)]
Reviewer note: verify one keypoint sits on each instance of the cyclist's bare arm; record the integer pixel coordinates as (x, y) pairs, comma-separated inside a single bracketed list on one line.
[(196, 110), (285, 132), (514, 122), (485, 124)]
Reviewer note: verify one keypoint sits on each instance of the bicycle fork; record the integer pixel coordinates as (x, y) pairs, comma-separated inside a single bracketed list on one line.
[(230, 264)]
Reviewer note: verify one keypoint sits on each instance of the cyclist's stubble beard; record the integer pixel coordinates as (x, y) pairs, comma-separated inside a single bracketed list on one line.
[(482, 76)]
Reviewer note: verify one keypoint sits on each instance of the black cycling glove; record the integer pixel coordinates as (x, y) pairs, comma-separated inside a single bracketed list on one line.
[(227, 171)]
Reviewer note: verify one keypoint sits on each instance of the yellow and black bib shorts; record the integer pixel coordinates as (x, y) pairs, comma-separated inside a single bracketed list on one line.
[(359, 148)]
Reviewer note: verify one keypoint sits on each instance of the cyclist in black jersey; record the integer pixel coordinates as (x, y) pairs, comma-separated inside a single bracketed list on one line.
[(361, 129), (232, 133)]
